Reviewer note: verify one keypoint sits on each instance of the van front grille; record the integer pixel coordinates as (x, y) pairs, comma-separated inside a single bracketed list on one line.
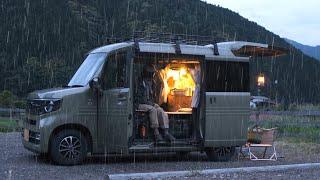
[(34, 137), (30, 121)]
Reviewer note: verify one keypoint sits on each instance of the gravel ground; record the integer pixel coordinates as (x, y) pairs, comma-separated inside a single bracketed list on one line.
[(18, 163)]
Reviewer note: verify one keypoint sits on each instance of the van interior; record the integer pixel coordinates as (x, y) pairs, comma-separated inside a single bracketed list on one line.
[(174, 86)]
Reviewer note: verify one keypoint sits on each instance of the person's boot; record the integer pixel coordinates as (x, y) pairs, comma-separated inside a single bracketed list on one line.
[(157, 135), (168, 136)]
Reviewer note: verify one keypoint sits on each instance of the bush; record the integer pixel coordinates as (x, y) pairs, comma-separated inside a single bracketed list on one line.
[(20, 104), (6, 98)]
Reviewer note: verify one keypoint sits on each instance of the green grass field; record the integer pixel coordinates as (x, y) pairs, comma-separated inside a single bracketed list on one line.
[(7, 124), (295, 128)]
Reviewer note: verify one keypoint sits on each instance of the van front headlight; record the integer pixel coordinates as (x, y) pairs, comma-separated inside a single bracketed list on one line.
[(52, 105), (42, 106)]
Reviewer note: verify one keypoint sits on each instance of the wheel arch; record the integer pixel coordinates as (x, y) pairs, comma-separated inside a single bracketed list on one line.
[(78, 127)]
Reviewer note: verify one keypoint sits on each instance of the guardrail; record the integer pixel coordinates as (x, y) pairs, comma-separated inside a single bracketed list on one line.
[(288, 113)]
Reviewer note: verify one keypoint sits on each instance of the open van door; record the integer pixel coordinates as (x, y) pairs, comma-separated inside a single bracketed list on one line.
[(249, 49), (227, 92), (227, 99)]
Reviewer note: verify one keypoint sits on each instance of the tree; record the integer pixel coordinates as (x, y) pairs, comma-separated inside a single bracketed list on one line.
[(43, 42), (7, 98)]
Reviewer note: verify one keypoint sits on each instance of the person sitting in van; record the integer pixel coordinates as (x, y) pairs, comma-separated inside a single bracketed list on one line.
[(145, 100)]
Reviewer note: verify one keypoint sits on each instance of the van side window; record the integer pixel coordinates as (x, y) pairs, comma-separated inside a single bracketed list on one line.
[(115, 73), (222, 76)]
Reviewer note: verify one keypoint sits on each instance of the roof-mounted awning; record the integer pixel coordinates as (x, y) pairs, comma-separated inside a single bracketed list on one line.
[(249, 49)]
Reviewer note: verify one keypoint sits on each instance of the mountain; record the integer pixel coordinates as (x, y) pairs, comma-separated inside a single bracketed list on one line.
[(313, 51), (42, 42)]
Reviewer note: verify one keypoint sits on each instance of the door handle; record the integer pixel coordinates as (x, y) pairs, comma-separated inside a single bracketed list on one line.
[(214, 100), (122, 95), (122, 98)]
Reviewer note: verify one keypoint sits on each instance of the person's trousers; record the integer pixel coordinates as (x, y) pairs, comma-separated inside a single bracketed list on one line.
[(157, 116)]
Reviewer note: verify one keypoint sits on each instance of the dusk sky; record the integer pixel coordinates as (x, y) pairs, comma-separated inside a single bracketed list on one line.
[(294, 19)]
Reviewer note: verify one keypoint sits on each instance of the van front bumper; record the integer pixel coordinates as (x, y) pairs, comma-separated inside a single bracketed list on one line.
[(34, 142), (32, 147)]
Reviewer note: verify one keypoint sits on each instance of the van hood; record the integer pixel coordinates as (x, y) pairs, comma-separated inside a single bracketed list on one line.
[(55, 93)]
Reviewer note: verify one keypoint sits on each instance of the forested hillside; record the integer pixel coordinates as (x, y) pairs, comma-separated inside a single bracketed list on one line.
[(313, 51), (43, 42)]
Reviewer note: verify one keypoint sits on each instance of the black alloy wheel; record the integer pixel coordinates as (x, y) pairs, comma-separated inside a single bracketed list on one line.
[(68, 147)]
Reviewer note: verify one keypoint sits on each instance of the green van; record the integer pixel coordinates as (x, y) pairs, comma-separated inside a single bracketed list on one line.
[(95, 113)]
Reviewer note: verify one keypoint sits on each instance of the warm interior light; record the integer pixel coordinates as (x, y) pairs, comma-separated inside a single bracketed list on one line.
[(173, 73), (261, 80), (177, 79), (182, 79), (183, 71)]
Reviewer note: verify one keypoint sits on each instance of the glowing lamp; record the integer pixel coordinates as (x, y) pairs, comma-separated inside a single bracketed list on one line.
[(261, 80), (183, 71)]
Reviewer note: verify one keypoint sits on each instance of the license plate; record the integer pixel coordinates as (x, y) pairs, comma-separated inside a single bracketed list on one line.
[(26, 134)]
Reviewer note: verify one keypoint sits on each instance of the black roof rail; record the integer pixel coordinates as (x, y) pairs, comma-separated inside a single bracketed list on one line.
[(215, 49), (136, 46), (159, 37), (176, 39)]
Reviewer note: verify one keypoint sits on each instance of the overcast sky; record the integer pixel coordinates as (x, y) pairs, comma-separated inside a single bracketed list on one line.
[(298, 20)]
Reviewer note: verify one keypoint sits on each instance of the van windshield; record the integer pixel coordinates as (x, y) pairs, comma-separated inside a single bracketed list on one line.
[(87, 69)]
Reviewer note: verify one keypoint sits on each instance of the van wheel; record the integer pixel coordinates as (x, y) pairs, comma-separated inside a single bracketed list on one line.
[(68, 147), (220, 153)]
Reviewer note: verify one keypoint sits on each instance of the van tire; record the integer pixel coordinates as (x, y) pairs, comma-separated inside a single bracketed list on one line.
[(68, 147), (220, 154)]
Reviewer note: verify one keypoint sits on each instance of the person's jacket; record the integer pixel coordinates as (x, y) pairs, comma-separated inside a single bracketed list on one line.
[(144, 93)]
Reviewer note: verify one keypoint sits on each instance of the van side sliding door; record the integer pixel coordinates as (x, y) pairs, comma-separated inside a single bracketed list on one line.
[(227, 99)]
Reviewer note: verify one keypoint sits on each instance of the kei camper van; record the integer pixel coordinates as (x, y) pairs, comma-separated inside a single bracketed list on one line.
[(99, 111)]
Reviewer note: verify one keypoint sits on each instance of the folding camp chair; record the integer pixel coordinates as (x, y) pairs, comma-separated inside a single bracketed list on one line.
[(267, 141)]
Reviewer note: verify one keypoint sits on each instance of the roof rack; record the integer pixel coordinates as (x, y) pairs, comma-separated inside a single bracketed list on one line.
[(158, 37)]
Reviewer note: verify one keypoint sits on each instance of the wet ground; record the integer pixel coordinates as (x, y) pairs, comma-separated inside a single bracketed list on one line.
[(18, 163)]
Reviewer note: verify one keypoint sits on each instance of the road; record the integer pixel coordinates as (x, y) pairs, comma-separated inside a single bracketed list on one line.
[(18, 163), (309, 174)]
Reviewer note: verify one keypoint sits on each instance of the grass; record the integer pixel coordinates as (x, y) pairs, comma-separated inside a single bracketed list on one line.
[(297, 107), (301, 134), (306, 107), (294, 128), (7, 124)]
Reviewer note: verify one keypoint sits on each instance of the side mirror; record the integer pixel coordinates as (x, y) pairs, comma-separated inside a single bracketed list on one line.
[(95, 83)]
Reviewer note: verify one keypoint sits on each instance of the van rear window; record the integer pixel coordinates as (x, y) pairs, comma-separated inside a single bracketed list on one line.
[(224, 76)]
